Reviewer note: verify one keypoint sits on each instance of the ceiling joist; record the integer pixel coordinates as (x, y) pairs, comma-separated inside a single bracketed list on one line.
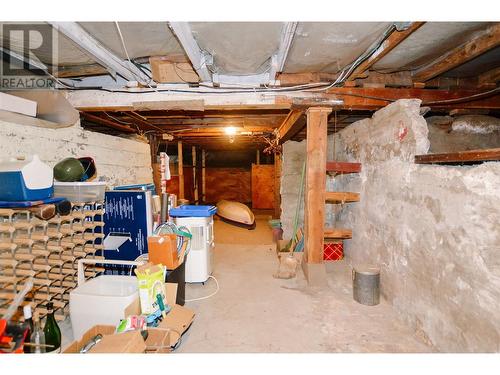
[(278, 60), (489, 78), (291, 125), (387, 46), (108, 123), (481, 43), (98, 52), (183, 32)]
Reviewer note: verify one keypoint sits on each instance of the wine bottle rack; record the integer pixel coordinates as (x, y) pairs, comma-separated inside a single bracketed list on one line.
[(48, 251)]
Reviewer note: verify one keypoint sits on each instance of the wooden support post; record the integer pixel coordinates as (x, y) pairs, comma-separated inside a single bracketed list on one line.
[(203, 176), (315, 193), (257, 157), (195, 179), (277, 186), (181, 170)]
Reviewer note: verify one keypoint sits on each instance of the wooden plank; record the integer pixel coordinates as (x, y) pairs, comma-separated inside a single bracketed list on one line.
[(489, 78), (290, 126), (203, 176), (341, 197), (341, 167), (277, 186), (233, 184), (80, 71), (292, 79), (263, 186), (106, 122), (317, 124), (479, 44), (472, 156), (170, 105), (195, 180), (387, 46), (357, 98), (165, 69), (181, 170), (338, 233)]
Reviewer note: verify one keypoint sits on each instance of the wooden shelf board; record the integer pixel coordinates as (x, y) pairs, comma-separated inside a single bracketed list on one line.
[(341, 197), (342, 167), (338, 233), (472, 156)]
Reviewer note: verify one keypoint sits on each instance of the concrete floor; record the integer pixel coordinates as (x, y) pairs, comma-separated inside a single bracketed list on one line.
[(253, 312)]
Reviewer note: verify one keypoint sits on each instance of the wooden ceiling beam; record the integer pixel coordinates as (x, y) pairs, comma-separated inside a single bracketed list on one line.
[(292, 79), (242, 122), (387, 46), (141, 122), (108, 123), (481, 43), (182, 31), (489, 78), (291, 125), (99, 53), (80, 71), (357, 98)]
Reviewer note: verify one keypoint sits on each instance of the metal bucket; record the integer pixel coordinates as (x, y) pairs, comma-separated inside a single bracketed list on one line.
[(366, 285)]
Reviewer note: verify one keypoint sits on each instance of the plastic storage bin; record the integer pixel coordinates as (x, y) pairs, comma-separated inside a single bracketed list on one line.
[(80, 192), (101, 300), (193, 211)]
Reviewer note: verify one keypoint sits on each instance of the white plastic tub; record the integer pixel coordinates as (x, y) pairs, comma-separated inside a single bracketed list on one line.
[(101, 300), (80, 192)]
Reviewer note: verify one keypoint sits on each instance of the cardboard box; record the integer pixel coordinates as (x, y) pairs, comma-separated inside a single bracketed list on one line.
[(159, 340), (172, 69), (177, 321), (162, 249), (76, 346), (126, 342)]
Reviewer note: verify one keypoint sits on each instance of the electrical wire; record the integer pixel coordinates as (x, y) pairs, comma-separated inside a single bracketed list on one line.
[(210, 295), (312, 87), (117, 120), (129, 60)]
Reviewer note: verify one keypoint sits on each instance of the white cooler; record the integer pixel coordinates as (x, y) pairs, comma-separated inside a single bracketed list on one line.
[(101, 300), (199, 258)]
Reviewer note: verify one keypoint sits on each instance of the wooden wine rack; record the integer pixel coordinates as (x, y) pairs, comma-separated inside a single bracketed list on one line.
[(48, 251)]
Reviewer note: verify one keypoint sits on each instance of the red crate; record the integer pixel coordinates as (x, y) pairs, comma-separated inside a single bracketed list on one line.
[(333, 250)]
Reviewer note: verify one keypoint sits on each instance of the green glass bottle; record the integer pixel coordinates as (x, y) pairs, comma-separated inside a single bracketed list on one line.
[(52, 331)]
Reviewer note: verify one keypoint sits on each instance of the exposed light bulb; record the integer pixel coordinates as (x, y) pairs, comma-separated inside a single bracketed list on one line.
[(230, 130)]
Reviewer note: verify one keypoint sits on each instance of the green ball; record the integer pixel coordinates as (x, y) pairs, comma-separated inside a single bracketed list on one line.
[(69, 170)]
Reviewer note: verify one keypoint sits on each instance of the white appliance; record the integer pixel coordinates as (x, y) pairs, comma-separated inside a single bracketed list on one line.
[(199, 258)]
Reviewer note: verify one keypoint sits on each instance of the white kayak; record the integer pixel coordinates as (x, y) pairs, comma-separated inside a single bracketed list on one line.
[(235, 212)]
